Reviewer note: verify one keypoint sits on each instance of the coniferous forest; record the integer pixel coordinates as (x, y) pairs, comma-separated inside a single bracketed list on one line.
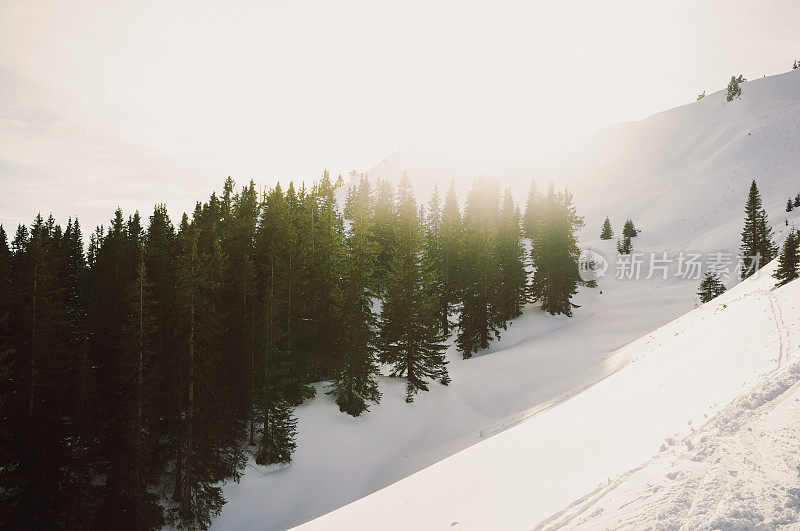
[(144, 368)]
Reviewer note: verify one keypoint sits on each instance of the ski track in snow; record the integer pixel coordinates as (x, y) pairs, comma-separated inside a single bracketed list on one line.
[(740, 469)]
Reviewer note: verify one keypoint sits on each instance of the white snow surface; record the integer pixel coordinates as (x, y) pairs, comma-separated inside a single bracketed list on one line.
[(699, 429), (578, 409)]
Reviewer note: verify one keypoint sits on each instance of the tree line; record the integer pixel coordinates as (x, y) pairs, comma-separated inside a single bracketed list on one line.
[(140, 372)]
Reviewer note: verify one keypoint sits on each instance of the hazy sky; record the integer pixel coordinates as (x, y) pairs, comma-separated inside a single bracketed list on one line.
[(131, 103)]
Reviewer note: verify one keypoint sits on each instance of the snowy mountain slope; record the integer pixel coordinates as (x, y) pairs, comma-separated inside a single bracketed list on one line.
[(738, 469), (741, 345), (682, 174), (542, 360)]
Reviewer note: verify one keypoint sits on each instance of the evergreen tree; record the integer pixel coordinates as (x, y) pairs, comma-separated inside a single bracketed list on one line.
[(382, 232), (710, 287), (555, 253), (789, 260), (452, 239), (797, 200), (701, 96), (410, 338), (137, 336), (734, 90), (481, 315), (325, 262), (271, 240), (534, 209), (511, 259), (629, 230), (757, 248), (624, 246), (789, 205), (607, 233), (355, 382), (160, 249)]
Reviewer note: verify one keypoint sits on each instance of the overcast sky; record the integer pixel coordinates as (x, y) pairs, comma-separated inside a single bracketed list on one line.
[(132, 103)]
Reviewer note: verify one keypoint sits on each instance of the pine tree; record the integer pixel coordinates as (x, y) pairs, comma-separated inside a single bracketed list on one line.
[(433, 256), (734, 90), (160, 249), (382, 232), (510, 254), (278, 424), (138, 332), (409, 336), (789, 260), (789, 205), (534, 208), (355, 382), (555, 253), (629, 230), (325, 262), (607, 233), (278, 434), (451, 265), (481, 316), (710, 287), (797, 200), (624, 246), (757, 248), (210, 435)]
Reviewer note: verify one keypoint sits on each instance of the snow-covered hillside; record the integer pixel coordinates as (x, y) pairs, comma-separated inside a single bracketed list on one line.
[(584, 408), (700, 428)]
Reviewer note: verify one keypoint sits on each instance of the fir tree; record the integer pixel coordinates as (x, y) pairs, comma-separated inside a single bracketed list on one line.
[(452, 239), (757, 248), (160, 249), (789, 260), (629, 230), (710, 287), (278, 424), (511, 259), (789, 205), (797, 200), (355, 382), (607, 233), (624, 246), (481, 316), (325, 262), (382, 232), (555, 253), (533, 212), (410, 339), (278, 434), (734, 90)]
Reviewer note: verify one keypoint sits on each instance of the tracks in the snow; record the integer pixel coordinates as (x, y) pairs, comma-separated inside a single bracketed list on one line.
[(783, 332), (765, 395)]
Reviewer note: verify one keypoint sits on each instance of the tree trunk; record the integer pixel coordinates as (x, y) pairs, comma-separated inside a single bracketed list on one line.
[(252, 371), (33, 343), (137, 441), (187, 484)]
